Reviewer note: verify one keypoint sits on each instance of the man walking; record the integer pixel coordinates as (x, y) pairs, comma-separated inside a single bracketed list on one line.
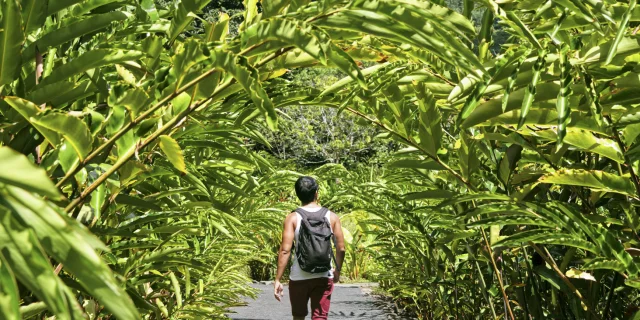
[(311, 227)]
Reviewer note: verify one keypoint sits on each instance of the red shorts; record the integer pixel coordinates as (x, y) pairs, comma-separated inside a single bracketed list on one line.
[(318, 290)]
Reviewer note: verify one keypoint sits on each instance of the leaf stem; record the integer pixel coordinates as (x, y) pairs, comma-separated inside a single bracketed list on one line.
[(130, 126), (546, 256), (611, 294), (498, 275), (167, 126), (483, 284), (139, 119), (411, 143), (627, 161)]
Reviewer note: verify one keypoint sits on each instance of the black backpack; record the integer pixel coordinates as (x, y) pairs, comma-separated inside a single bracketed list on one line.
[(313, 247)]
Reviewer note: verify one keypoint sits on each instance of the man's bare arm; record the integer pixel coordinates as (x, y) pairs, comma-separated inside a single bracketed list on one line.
[(340, 247), (284, 253)]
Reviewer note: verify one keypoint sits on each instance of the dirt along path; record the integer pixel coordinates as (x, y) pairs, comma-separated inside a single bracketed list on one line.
[(348, 301)]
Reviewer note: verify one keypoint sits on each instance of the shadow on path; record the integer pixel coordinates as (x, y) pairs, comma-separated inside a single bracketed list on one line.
[(347, 302)]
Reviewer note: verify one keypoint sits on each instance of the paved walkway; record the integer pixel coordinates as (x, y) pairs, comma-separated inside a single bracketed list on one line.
[(347, 302)]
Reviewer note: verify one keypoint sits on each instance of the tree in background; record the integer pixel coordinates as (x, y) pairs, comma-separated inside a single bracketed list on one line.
[(310, 136)]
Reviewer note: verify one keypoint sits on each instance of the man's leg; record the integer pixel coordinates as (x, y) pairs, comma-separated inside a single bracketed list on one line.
[(321, 298), (299, 297)]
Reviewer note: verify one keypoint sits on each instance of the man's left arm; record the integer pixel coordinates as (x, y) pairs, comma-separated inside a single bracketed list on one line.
[(340, 247)]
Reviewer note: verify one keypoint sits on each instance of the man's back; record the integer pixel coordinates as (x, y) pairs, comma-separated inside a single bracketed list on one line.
[(304, 285)]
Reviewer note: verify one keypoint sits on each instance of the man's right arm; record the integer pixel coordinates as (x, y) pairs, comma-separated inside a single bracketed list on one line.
[(340, 246), (284, 253)]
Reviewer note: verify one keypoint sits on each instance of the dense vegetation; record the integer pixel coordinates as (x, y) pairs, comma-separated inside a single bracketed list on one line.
[(144, 176)]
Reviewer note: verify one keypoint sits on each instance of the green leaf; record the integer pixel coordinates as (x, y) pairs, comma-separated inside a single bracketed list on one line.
[(67, 157), (88, 5), (193, 180), (429, 194), (216, 32), (133, 99), (430, 130), (73, 31), (9, 296), (415, 164), (272, 8), (136, 202), (87, 61), (295, 33), (562, 102), (20, 172), (508, 219), (149, 6), (25, 108), (28, 110), (593, 179), (376, 24), (98, 198), (584, 140), (512, 20), (11, 39), (531, 89), (414, 15), (603, 263), (567, 240), (34, 12), (622, 29), (508, 163), (47, 93), (250, 13), (523, 237), (176, 289), (248, 78), (57, 5), (173, 152), (552, 278), (493, 108), (183, 16), (22, 251), (626, 46), (471, 103), (72, 245), (468, 155), (75, 131)]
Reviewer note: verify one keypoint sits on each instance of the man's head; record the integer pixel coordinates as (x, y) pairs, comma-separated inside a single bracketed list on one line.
[(306, 189)]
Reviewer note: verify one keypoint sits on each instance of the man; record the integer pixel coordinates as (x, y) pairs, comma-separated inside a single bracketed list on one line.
[(303, 285)]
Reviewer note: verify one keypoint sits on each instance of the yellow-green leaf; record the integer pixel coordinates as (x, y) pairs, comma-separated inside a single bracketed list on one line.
[(74, 130), (20, 172), (593, 179), (174, 154)]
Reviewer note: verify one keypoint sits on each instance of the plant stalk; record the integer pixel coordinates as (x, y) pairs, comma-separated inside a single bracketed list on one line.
[(607, 306), (483, 284), (142, 117), (498, 275), (627, 161), (411, 143), (549, 260), (130, 153)]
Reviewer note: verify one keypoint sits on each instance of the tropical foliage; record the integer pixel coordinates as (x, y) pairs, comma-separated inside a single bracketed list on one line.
[(516, 195), (132, 186)]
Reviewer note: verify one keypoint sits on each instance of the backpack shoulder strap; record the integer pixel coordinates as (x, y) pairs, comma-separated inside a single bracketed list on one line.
[(318, 215), (303, 213)]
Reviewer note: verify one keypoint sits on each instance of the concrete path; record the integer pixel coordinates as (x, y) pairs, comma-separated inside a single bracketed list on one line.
[(347, 302)]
